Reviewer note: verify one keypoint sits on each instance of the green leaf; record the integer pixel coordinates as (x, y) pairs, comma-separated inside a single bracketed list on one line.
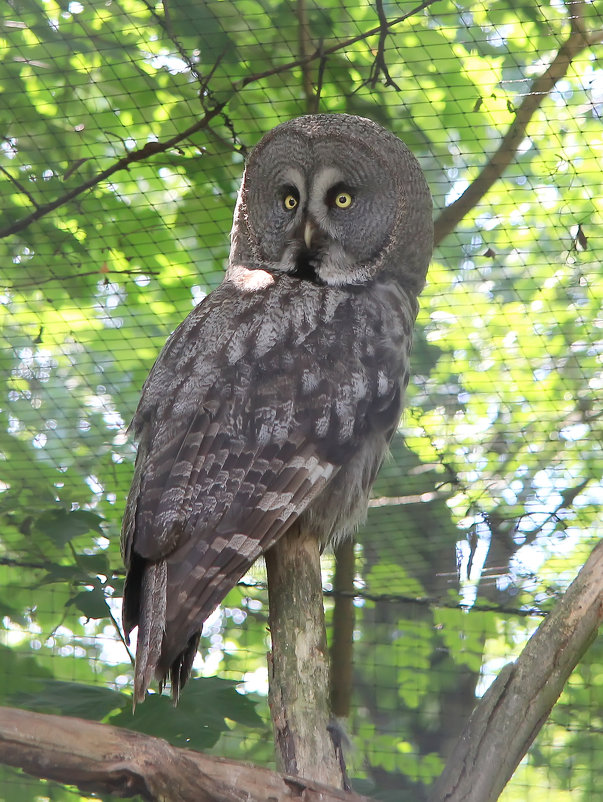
[(91, 702), (61, 525), (91, 603), (200, 717)]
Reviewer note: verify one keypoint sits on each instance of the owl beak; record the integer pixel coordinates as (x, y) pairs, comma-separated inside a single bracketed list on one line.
[(308, 233)]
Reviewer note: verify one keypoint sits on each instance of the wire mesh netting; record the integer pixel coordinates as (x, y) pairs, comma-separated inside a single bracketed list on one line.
[(124, 128)]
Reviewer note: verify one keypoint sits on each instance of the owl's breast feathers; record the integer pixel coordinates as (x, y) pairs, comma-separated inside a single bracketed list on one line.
[(264, 406)]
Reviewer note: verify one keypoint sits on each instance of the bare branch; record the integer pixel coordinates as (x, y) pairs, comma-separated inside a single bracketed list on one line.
[(149, 149), (421, 601), (417, 498), (449, 218), (100, 273), (103, 759), (321, 53), (380, 65), (515, 707), (21, 188), (577, 41), (305, 50), (152, 148)]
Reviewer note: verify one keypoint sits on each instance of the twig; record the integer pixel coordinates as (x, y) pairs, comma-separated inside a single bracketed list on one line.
[(320, 76), (149, 149), (393, 598), (21, 188), (421, 601), (321, 52), (37, 282), (305, 49), (452, 214), (379, 65)]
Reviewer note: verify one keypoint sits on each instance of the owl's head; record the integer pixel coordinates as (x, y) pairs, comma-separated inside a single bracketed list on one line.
[(334, 199)]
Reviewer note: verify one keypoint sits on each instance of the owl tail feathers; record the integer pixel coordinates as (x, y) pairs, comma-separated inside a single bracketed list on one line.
[(180, 669), (151, 626)]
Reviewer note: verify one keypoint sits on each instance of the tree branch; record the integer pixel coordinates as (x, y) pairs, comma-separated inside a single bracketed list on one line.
[(517, 704), (380, 65), (305, 50), (420, 601), (577, 41), (100, 273), (152, 148), (449, 218), (149, 149), (103, 759), (21, 188), (321, 53)]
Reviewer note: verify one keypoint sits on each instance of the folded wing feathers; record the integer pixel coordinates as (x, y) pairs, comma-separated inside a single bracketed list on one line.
[(208, 565), (194, 510)]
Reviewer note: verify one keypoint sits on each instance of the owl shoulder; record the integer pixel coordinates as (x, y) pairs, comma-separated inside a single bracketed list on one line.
[(219, 332)]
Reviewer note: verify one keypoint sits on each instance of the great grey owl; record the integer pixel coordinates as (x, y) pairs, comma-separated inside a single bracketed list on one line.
[(276, 398)]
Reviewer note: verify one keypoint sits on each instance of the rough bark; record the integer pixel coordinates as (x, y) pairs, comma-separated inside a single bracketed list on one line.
[(298, 665), (517, 704), (103, 759)]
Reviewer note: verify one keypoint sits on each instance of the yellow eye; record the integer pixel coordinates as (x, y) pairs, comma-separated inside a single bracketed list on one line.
[(343, 200), (290, 201)]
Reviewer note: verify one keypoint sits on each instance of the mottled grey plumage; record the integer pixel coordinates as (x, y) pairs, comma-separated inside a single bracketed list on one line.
[(276, 398)]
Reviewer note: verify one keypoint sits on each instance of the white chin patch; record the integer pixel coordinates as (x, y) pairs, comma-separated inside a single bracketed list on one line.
[(249, 280), (336, 268)]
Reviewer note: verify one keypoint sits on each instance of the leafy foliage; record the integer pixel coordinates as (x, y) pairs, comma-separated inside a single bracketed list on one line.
[(496, 465)]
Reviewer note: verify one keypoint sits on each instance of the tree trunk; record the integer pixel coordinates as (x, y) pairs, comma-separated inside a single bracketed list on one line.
[(299, 666), (342, 646)]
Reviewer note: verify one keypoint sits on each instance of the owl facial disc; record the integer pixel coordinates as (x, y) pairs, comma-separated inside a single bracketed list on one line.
[(335, 200)]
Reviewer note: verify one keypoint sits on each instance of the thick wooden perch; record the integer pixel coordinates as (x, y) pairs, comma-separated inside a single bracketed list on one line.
[(299, 662), (100, 758), (97, 757)]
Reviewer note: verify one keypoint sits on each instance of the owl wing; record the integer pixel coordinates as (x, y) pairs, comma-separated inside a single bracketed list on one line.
[(239, 497), (247, 415)]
